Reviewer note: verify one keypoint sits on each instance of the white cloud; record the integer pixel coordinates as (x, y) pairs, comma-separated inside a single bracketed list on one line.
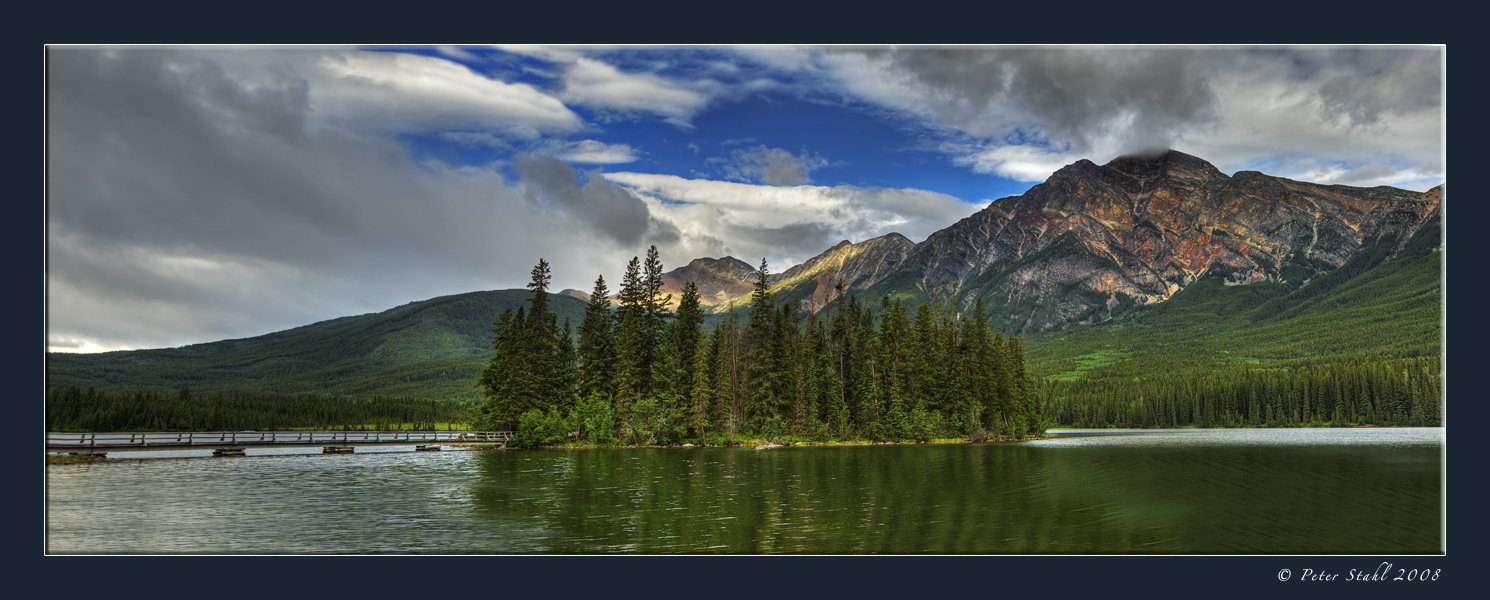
[(1020, 163), (557, 54), (590, 152), (406, 92), (475, 139), (772, 166), (458, 52), (592, 83), (785, 58), (794, 223), (585, 79)]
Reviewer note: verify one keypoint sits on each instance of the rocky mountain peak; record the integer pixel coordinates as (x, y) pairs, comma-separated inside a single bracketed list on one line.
[(1132, 232), (720, 265), (575, 293), (1142, 227), (717, 279)]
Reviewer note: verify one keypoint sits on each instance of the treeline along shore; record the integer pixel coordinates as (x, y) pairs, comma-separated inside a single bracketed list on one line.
[(70, 409), (1399, 393)]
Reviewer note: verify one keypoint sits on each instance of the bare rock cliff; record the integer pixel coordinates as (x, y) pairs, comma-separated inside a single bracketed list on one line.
[(1141, 228)]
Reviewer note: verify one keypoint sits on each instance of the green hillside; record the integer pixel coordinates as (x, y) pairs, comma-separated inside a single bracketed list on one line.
[(430, 349), (1375, 307)]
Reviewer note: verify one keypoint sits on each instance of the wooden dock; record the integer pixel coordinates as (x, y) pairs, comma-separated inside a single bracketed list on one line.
[(240, 439)]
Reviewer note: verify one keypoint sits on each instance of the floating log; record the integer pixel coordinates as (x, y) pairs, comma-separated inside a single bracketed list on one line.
[(228, 452), (428, 448), (338, 449)]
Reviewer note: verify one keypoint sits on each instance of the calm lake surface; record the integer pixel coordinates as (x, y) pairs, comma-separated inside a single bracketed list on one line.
[(1278, 491)]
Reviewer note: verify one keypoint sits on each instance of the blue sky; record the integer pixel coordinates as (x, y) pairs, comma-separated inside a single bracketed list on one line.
[(855, 143), (204, 193)]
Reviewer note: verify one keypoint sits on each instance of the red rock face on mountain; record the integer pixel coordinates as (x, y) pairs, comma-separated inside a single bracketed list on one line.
[(1141, 228), (718, 280), (1094, 237)]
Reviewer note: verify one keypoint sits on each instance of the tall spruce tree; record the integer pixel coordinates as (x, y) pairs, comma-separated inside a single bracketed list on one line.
[(701, 397), (596, 352), (686, 330), (530, 369), (725, 346), (762, 374), (652, 328), (982, 364), (629, 341), (505, 381), (546, 359)]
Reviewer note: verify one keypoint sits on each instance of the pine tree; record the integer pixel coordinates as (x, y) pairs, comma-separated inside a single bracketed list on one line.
[(762, 375), (628, 341), (653, 324), (530, 368), (726, 349), (566, 390), (981, 364), (671, 379), (596, 352), (504, 382), (701, 396), (688, 331), (924, 354)]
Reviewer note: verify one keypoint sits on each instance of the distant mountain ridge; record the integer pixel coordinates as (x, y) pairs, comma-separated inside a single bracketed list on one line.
[(812, 285), (718, 280), (1091, 244), (1093, 238), (433, 348), (1141, 228)]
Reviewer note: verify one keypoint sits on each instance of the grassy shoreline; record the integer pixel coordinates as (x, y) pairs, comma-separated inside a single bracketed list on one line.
[(74, 458), (763, 444)]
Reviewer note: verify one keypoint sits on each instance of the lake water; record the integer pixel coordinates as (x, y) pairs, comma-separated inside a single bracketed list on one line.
[(1280, 491)]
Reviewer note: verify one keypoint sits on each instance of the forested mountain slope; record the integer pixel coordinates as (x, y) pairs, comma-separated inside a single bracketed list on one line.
[(431, 349), (1374, 307)]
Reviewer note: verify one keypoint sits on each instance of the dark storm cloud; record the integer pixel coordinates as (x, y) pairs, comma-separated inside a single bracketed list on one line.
[(1023, 112), (605, 206), (1065, 94), (1361, 86), (153, 145), (192, 198), (796, 242)]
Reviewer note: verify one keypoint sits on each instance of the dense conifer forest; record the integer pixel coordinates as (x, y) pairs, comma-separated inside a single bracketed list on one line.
[(73, 409), (640, 374)]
